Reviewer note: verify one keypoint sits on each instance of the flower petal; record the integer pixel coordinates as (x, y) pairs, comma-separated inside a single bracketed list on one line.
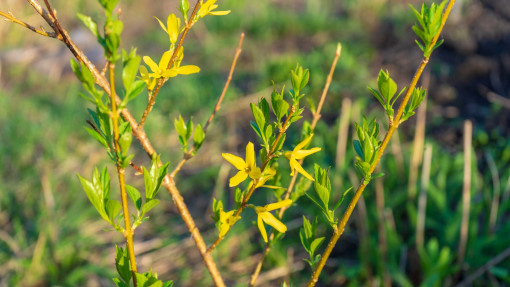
[(188, 69), (169, 73), (279, 204), (234, 160), (144, 72), (161, 24), (302, 144), (299, 154), (165, 59), (293, 163), (262, 228), (174, 24), (300, 169), (150, 63), (255, 173), (271, 220), (250, 155), (219, 13), (238, 178), (224, 228)]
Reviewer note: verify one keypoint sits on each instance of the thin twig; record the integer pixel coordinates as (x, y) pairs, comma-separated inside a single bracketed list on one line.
[(316, 117), (217, 107), (128, 232), (141, 136), (161, 81), (393, 126), (466, 192), (10, 17)]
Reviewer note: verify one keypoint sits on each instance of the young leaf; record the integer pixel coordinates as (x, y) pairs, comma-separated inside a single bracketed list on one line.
[(122, 264), (113, 208), (198, 137), (135, 196), (258, 115), (89, 23), (149, 205)]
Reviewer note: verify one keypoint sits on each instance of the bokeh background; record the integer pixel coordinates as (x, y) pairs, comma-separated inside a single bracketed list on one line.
[(51, 236)]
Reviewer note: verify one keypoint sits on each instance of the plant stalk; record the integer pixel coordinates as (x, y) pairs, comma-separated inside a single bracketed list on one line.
[(316, 117), (128, 232), (392, 127)]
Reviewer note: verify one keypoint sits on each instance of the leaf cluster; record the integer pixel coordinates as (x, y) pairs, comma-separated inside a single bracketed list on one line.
[(429, 18), (185, 129), (147, 279), (322, 195), (310, 241)]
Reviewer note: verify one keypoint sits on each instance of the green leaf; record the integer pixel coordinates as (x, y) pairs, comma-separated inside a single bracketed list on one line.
[(113, 208), (135, 89), (122, 263), (125, 142), (341, 199), (264, 106), (307, 227), (322, 185), (189, 129), (162, 171), (304, 240), (149, 205), (258, 115), (135, 196), (180, 127), (378, 96), (255, 127), (95, 192), (89, 23), (97, 136), (316, 243), (357, 148), (198, 137), (130, 70)]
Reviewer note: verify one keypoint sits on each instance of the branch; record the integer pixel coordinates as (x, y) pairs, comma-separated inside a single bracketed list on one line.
[(161, 81), (141, 136), (217, 107), (393, 126), (316, 117), (10, 17)]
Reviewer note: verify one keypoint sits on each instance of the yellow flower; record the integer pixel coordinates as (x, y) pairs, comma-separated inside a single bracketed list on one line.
[(173, 27), (264, 216), (150, 82), (246, 168), (162, 71), (227, 220), (266, 175), (300, 153), (207, 9)]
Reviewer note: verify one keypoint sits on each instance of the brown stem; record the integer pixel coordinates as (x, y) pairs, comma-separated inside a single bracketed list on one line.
[(393, 126), (141, 136), (128, 232), (316, 117), (9, 16), (161, 81), (217, 107)]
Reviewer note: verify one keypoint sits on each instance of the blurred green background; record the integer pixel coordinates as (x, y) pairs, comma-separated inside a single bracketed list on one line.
[(51, 236)]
